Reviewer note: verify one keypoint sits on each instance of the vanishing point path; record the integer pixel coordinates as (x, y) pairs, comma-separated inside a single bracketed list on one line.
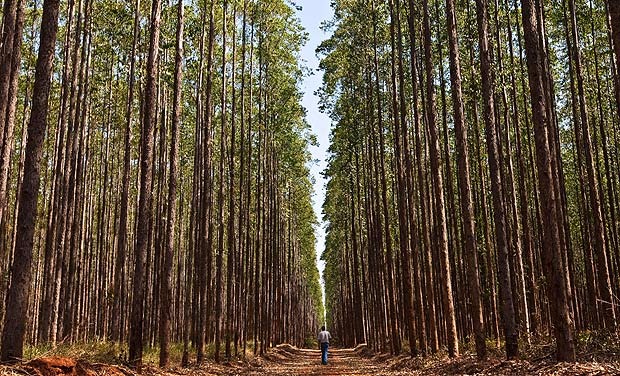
[(293, 361)]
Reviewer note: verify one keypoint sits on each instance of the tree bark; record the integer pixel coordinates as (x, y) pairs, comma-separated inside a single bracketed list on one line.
[(21, 270), (467, 210), (117, 329), (146, 195), (551, 253), (10, 59), (440, 212), (499, 208), (596, 211), (166, 277)]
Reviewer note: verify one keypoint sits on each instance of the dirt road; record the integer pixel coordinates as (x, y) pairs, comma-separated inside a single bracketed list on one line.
[(291, 361), (286, 360)]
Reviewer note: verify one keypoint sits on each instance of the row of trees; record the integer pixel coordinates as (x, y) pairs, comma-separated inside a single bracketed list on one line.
[(170, 150), (473, 172)]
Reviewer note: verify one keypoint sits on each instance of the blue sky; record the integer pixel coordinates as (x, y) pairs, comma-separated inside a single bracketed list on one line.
[(313, 13)]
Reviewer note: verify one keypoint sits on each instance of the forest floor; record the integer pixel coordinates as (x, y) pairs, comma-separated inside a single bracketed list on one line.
[(287, 360)]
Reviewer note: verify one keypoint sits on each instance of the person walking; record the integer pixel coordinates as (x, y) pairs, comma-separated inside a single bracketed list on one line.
[(324, 338)]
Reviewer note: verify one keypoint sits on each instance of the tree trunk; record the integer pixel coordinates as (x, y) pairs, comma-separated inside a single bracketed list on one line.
[(166, 277), (117, 329), (435, 156), (467, 210), (220, 197), (14, 328), (399, 118), (146, 195), (499, 208), (600, 246), (551, 253), (10, 59)]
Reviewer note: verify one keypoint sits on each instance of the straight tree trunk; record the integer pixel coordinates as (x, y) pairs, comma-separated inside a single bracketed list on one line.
[(203, 267), (166, 277), (47, 321), (399, 116), (604, 282), (467, 209), (10, 59), (551, 253), (230, 234), (14, 328), (499, 203), (425, 242), (220, 198), (136, 340), (522, 180), (388, 257), (435, 156), (117, 329)]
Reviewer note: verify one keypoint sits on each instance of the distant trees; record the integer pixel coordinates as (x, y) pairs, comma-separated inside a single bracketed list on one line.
[(523, 232), (129, 243)]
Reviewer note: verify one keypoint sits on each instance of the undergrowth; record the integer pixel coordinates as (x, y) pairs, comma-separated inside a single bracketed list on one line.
[(109, 352), (597, 345)]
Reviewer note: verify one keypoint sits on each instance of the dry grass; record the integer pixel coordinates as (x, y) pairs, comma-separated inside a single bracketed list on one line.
[(597, 354)]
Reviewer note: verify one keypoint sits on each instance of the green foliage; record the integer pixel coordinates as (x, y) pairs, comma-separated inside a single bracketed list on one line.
[(93, 351)]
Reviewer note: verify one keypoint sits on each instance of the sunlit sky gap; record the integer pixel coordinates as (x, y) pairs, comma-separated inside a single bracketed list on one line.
[(313, 13)]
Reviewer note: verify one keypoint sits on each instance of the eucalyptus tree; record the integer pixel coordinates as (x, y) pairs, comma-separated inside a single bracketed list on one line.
[(499, 202), (146, 195), (14, 328), (110, 207), (467, 210), (551, 254), (546, 177), (166, 276), (10, 59)]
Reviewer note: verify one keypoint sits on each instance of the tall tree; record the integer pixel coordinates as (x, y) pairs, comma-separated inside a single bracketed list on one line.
[(121, 246), (499, 202), (145, 201), (165, 287), (596, 213), (14, 328), (551, 254), (467, 208), (10, 59), (439, 202)]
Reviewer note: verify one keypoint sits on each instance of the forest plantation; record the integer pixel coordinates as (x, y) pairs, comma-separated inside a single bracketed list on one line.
[(157, 199)]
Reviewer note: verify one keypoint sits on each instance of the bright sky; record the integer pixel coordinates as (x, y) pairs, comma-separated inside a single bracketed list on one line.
[(313, 13)]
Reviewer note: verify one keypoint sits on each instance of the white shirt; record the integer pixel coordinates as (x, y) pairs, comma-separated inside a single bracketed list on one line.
[(324, 336)]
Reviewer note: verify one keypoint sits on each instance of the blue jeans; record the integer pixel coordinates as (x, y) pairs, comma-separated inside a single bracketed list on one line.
[(324, 347)]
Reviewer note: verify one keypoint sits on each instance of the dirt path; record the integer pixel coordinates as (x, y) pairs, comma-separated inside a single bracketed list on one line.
[(286, 360), (291, 361)]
